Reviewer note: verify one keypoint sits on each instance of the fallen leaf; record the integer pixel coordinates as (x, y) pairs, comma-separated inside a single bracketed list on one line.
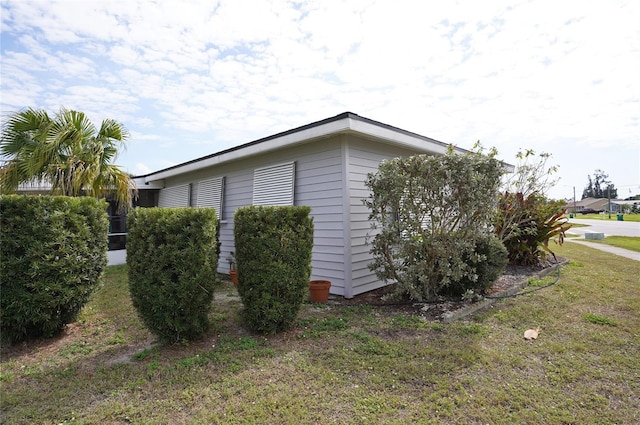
[(531, 333)]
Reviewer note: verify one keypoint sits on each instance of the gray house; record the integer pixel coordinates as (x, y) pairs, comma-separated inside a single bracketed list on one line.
[(322, 165)]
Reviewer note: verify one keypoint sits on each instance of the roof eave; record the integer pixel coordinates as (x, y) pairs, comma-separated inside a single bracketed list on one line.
[(343, 123)]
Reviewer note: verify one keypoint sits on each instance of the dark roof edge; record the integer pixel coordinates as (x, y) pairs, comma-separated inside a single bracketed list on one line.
[(338, 117), (255, 142), (399, 130)]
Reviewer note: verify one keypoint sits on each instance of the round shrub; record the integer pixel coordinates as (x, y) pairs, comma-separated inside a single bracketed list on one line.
[(53, 251), (273, 260), (172, 260), (489, 260)]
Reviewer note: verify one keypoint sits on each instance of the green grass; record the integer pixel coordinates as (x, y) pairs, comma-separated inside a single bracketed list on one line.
[(352, 365), (605, 216), (627, 242)]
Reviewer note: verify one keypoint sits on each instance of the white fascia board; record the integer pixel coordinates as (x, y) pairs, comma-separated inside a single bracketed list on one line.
[(400, 138), (410, 141), (256, 149), (142, 183)]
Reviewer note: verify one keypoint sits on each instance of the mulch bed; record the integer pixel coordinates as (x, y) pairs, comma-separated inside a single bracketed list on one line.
[(513, 279)]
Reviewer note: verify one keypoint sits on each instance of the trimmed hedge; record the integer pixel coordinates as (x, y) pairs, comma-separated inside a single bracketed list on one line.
[(172, 260), (53, 251), (273, 260)]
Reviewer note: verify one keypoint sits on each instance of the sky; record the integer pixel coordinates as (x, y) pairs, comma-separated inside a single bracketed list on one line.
[(191, 78)]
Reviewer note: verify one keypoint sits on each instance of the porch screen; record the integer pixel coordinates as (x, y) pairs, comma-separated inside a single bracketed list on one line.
[(274, 185)]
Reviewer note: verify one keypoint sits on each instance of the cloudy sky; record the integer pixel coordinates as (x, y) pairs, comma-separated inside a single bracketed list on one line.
[(190, 78)]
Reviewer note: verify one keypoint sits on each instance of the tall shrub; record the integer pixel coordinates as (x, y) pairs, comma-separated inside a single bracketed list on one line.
[(273, 256), (534, 221), (53, 252), (526, 219), (172, 258), (427, 213)]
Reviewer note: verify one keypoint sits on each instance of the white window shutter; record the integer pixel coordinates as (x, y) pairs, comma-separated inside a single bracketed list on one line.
[(274, 185), (210, 194), (177, 196)]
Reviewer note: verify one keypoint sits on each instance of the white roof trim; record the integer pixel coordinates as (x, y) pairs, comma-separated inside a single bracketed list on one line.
[(347, 123), (266, 146)]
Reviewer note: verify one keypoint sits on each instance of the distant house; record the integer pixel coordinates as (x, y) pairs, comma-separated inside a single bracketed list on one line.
[(322, 165), (594, 205)]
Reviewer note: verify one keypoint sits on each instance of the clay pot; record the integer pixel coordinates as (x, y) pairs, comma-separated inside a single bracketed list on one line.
[(319, 290)]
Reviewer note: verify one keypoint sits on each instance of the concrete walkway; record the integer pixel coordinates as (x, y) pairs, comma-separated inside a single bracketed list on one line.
[(607, 248), (117, 257)]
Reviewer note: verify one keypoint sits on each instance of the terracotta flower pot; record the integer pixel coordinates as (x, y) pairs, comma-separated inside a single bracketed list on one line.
[(319, 290), (234, 277)]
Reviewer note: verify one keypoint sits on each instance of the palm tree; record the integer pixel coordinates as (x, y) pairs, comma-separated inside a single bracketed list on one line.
[(65, 151)]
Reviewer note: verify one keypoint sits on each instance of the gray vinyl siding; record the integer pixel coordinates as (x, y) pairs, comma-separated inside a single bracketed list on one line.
[(318, 184), (364, 157)]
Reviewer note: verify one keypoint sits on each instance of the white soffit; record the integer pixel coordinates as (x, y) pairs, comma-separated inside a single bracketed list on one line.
[(257, 148), (383, 133), (400, 138)]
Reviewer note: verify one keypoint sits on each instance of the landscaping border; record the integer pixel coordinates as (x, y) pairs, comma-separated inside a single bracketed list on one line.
[(466, 310)]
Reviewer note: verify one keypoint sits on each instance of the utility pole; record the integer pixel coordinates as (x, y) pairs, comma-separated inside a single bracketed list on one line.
[(574, 201), (609, 196)]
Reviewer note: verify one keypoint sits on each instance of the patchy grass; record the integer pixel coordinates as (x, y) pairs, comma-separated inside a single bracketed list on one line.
[(579, 225), (599, 320), (605, 216), (627, 242), (355, 364)]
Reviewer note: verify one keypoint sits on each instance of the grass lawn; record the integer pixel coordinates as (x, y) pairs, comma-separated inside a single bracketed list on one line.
[(627, 242), (614, 217), (349, 365)]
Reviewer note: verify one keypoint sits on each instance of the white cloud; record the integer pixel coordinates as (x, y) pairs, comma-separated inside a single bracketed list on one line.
[(208, 74), (141, 169)]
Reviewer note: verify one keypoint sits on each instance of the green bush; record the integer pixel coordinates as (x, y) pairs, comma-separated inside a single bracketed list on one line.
[(427, 212), (273, 261), (172, 260), (53, 252), (526, 224), (489, 260)]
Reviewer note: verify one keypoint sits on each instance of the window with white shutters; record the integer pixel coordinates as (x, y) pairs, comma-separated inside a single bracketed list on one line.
[(274, 185), (177, 196), (210, 194)]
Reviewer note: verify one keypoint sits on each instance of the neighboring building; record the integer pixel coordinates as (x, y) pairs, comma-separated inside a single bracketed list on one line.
[(322, 165), (594, 205), (621, 205)]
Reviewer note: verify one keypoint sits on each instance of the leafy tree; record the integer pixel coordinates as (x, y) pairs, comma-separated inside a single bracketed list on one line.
[(428, 213), (67, 151), (526, 220), (532, 174), (532, 177), (600, 186)]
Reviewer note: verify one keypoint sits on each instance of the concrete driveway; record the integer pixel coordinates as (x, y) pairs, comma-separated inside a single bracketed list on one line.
[(609, 228)]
